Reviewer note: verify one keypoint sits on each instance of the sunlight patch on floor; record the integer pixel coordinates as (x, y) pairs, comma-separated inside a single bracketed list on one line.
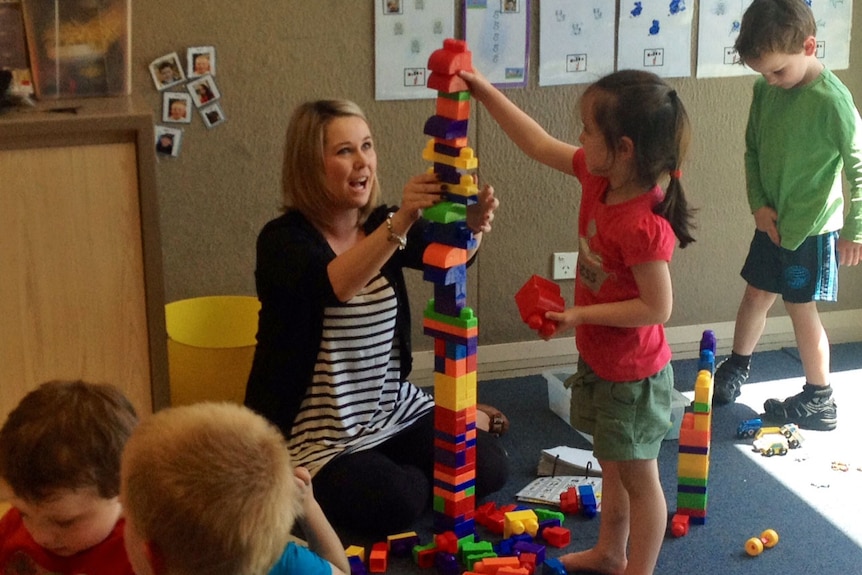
[(809, 471)]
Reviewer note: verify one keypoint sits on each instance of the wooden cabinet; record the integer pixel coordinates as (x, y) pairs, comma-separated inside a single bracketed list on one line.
[(81, 288)]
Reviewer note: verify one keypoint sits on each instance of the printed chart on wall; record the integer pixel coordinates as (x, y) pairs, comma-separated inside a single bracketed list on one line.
[(719, 26), (655, 35), (406, 33), (497, 32), (576, 43)]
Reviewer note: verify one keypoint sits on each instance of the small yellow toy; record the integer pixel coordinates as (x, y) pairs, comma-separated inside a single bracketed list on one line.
[(767, 539)]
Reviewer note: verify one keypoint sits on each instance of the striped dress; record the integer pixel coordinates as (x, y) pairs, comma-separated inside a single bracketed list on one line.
[(356, 399)]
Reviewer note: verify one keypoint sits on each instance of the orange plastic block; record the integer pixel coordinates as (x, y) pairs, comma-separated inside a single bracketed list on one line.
[(460, 367), (443, 256), (694, 438), (494, 564), (455, 109), (378, 561)]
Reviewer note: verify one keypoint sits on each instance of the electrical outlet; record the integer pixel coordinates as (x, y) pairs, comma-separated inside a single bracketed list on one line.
[(564, 265)]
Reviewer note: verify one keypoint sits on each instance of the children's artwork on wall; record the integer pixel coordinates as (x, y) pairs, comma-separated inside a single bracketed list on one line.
[(498, 32), (212, 115), (203, 90), (79, 47), (576, 42), (405, 34), (167, 71), (176, 107), (168, 141), (200, 60), (655, 36)]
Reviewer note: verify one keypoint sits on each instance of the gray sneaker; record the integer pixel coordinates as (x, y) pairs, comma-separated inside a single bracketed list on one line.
[(812, 408), (727, 381)]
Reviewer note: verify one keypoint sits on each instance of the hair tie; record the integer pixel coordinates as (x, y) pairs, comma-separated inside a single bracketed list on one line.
[(676, 174)]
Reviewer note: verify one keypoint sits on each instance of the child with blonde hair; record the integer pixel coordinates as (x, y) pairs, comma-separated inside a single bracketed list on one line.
[(210, 488)]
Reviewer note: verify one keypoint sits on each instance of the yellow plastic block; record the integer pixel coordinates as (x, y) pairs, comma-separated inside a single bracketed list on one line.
[(693, 465), (455, 393), (466, 160)]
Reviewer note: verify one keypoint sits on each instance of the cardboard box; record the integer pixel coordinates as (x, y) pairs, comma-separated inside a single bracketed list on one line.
[(560, 401)]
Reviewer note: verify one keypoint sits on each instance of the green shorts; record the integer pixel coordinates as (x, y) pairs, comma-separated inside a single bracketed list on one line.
[(628, 420)]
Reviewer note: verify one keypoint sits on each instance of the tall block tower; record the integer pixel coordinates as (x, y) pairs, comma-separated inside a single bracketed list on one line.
[(694, 443), (447, 318)]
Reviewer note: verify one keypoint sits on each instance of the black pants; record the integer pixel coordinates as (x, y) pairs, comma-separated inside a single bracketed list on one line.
[(384, 490)]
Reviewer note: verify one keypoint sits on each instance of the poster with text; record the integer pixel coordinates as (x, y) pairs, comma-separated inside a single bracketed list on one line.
[(497, 33), (576, 41), (655, 35), (406, 32)]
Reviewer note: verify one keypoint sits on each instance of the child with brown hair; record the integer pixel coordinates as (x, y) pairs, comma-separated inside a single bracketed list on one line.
[(60, 454)]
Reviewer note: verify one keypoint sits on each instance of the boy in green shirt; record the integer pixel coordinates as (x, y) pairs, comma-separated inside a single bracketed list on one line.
[(803, 130)]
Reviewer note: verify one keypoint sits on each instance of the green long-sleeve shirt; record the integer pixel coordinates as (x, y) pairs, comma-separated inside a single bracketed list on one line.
[(798, 141)]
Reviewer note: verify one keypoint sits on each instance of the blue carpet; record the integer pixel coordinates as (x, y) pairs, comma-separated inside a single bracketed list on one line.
[(744, 497)]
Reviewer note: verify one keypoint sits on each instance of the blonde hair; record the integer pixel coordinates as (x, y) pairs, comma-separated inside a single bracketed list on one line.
[(211, 486), (303, 175)]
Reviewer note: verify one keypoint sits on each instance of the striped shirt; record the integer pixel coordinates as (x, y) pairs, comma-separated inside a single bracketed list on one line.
[(356, 399)]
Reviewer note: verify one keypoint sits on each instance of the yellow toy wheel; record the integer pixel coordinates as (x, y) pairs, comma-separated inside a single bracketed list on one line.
[(754, 546), (769, 538)]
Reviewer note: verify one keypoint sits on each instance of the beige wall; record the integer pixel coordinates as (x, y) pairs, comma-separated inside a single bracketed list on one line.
[(273, 55)]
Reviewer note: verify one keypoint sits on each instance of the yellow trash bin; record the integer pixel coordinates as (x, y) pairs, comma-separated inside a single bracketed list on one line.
[(211, 344)]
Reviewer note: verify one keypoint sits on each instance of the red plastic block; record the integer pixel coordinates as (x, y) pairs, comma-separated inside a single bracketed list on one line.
[(536, 297)]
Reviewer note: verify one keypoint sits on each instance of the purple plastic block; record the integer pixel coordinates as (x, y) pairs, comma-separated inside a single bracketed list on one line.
[(445, 128)]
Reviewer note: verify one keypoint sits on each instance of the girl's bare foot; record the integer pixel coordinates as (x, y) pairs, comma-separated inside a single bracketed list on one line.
[(592, 560)]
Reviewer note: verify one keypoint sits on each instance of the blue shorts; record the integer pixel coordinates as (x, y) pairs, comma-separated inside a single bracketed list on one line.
[(808, 273), (627, 419)]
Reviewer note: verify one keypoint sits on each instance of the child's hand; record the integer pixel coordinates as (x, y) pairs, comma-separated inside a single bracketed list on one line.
[(765, 219), (302, 477), (566, 320), (849, 253), (481, 214), (479, 84)]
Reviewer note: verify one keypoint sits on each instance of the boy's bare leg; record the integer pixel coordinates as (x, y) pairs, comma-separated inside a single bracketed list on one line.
[(751, 319), (811, 340), (732, 373), (813, 407)]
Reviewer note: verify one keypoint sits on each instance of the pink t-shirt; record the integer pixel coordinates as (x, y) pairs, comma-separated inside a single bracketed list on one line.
[(20, 555), (612, 239)]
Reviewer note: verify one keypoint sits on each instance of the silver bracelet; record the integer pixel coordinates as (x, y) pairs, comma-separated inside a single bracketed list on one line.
[(393, 237)]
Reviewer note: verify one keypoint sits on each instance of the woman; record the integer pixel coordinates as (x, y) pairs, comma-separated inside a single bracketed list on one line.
[(333, 351)]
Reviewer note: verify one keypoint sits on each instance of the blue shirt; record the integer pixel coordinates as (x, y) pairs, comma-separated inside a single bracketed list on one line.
[(299, 559)]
